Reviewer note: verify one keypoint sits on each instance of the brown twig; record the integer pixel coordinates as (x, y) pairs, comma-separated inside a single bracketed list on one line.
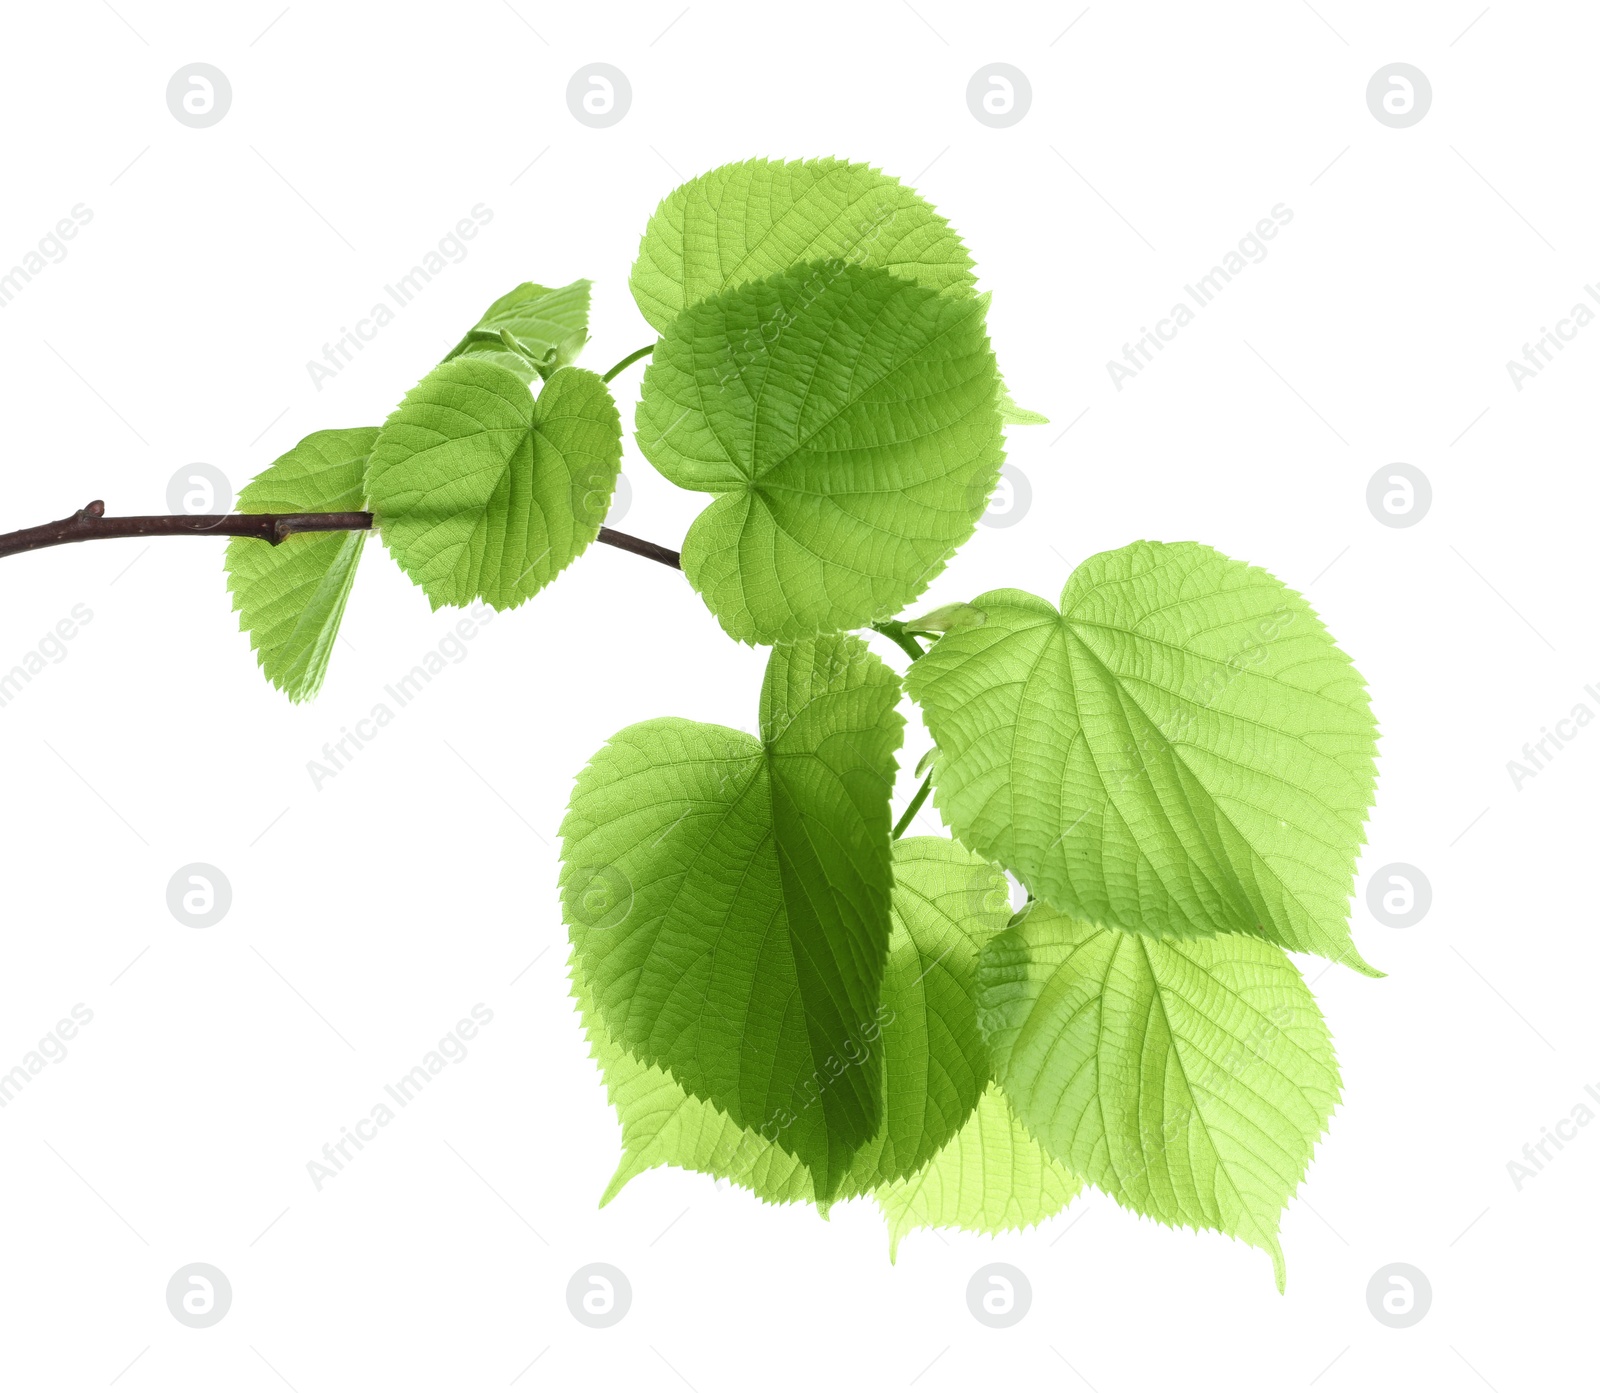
[(90, 524), (639, 547)]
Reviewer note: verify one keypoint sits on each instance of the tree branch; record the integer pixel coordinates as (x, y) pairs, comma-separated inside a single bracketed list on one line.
[(651, 551), (90, 524)]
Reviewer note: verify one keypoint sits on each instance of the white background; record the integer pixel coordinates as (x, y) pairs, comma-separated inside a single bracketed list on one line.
[(369, 916)]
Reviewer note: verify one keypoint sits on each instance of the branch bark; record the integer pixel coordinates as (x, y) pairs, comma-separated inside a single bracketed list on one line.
[(639, 547), (90, 524)]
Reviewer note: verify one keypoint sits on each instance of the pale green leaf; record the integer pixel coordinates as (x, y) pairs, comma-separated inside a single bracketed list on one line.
[(291, 597), (989, 1178), (1013, 415), (846, 425), (946, 902), (664, 1126), (1188, 1079), (504, 352), (1179, 750), (744, 222), (531, 330), (747, 956), (944, 619), (482, 490)]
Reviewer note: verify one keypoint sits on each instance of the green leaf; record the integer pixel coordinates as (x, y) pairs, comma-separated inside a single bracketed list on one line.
[(846, 424), (944, 619), (946, 902), (991, 1176), (664, 1126), (744, 950), (1013, 415), (504, 352), (744, 222), (1188, 1079), (483, 491), (1180, 750), (291, 597), (532, 330)]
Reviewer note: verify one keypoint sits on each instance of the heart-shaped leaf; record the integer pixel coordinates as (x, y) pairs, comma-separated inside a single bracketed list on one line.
[(483, 491), (728, 900), (846, 422), (1188, 1079), (945, 902), (744, 222), (1179, 750)]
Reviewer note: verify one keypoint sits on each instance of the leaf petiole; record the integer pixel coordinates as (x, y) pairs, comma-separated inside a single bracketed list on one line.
[(912, 808), (896, 632), (629, 361)]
